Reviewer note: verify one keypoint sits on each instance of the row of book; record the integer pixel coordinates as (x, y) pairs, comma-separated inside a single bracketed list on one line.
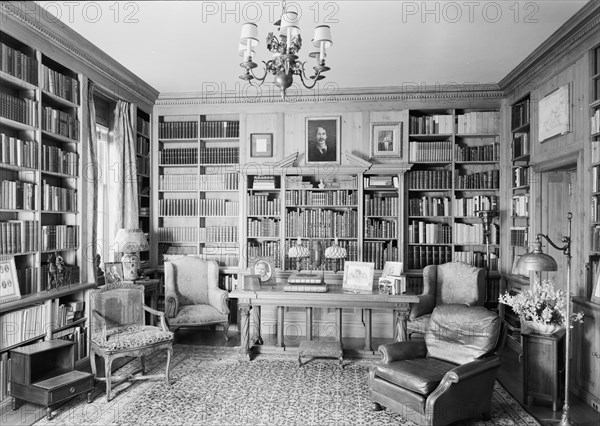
[(595, 243), (429, 206), (166, 249), (519, 236), (472, 233), (219, 129), (378, 252), (263, 182), (19, 236), (57, 160), (420, 256), (20, 110), (195, 156), (431, 124), (421, 232), (228, 282), (470, 206), (67, 312), (264, 249), (381, 204), (380, 181), (263, 204), (194, 182), (595, 152), (17, 152), (595, 122), (60, 84), (29, 282), (429, 179), (60, 123), (18, 64), (24, 324), (477, 122), (321, 198), (489, 179), (322, 223), (430, 151), (520, 114), (595, 209), (198, 207), (520, 176), (179, 234), (477, 258), (189, 129), (520, 205), (489, 152), (377, 228), (17, 195), (58, 199), (264, 227), (596, 178), (142, 165), (60, 237), (520, 145), (143, 127), (142, 146)]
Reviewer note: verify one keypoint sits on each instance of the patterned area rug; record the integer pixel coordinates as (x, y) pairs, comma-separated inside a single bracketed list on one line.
[(210, 386)]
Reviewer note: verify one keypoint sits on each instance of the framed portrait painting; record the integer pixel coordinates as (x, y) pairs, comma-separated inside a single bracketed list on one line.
[(322, 143), (358, 276), (113, 272), (386, 140), (261, 145)]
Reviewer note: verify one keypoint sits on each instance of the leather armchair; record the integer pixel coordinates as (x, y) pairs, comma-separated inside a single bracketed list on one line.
[(192, 294), (446, 377), (452, 282)]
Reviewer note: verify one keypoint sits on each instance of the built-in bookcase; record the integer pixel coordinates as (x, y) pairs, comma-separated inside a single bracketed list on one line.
[(143, 167), (40, 206), (595, 148)]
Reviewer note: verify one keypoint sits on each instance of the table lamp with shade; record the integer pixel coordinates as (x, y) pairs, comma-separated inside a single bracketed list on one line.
[(130, 242), (335, 252), (298, 252)]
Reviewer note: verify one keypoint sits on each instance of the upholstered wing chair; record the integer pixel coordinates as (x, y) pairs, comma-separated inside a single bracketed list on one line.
[(192, 294), (452, 282), (446, 377), (118, 329)]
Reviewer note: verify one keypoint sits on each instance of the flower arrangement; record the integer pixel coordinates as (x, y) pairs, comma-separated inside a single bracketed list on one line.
[(541, 304)]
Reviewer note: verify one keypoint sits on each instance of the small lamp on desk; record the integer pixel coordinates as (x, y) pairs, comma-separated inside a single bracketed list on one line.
[(130, 242), (298, 252), (336, 252)]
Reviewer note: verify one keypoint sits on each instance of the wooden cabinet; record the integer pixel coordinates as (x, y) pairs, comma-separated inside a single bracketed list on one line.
[(543, 367), (43, 373), (586, 352)]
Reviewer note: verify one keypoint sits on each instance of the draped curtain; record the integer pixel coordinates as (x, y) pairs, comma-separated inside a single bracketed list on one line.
[(123, 184), (90, 183)]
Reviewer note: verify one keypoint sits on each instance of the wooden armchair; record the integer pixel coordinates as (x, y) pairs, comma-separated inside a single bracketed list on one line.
[(118, 330), (192, 294)]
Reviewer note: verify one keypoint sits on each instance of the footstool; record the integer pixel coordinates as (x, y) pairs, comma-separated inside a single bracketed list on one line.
[(321, 349)]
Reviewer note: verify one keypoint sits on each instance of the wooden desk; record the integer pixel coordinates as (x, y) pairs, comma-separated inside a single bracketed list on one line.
[(335, 297)]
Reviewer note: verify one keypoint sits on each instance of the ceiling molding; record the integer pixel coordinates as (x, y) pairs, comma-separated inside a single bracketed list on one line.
[(62, 36), (473, 92), (575, 30)]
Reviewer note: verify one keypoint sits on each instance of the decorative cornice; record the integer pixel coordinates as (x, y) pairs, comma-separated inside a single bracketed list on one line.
[(95, 58), (584, 22), (363, 94)]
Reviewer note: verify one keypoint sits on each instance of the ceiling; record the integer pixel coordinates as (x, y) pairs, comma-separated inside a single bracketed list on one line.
[(190, 46)]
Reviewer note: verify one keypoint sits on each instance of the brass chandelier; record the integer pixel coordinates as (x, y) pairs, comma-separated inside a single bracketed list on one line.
[(285, 64)]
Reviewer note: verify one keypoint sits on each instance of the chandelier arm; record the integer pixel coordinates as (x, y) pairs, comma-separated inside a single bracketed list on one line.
[(261, 79), (302, 75)]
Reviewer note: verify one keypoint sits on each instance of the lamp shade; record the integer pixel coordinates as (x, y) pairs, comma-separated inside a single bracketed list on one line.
[(322, 34), (289, 20), (298, 250), (536, 260), (131, 241), (249, 34), (335, 251)]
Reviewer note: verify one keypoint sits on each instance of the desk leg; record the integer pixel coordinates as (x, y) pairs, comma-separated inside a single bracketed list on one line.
[(338, 319), (309, 323), (367, 315), (401, 315), (280, 319), (256, 337), (244, 309)]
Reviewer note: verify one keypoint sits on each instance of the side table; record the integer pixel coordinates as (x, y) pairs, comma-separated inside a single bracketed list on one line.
[(543, 367)]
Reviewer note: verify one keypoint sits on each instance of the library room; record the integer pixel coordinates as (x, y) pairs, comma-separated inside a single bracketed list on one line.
[(398, 225)]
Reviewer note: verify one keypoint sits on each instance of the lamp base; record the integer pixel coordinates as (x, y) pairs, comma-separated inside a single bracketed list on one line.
[(131, 265)]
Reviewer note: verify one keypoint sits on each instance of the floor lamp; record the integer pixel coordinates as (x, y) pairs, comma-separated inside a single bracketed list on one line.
[(538, 262)]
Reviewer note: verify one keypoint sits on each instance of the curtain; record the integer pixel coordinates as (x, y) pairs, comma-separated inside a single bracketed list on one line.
[(90, 185), (123, 186)]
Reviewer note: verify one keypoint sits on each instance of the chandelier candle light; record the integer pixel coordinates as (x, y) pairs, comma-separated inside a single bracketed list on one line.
[(285, 64), (130, 242)]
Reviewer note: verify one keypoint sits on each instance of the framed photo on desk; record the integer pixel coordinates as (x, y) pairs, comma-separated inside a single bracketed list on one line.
[(358, 276)]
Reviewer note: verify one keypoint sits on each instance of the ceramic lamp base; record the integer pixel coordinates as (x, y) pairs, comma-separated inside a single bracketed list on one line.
[(131, 265)]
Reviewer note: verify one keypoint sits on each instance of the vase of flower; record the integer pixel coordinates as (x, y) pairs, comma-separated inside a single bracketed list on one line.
[(541, 328)]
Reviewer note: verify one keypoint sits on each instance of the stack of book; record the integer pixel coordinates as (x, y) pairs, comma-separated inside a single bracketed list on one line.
[(264, 182), (311, 282)]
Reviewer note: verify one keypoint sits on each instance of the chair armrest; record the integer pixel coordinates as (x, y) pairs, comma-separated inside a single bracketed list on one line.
[(425, 306), (171, 306), (399, 351), (217, 298), (171, 298), (101, 322), (472, 369), (161, 315)]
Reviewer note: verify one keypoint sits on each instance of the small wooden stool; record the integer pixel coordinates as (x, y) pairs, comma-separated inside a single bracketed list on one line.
[(321, 349)]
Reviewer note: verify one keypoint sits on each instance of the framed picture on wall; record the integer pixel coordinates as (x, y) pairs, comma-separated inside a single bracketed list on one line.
[(554, 113), (9, 283), (322, 140), (386, 140), (261, 145)]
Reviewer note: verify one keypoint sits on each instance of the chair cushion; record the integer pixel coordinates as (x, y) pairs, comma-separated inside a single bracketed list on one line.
[(419, 324), (461, 334), (459, 282), (421, 375), (133, 337), (198, 314)]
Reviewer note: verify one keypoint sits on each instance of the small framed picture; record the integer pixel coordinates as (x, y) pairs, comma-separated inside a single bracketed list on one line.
[(554, 114), (323, 140), (393, 269), (9, 283), (358, 276), (261, 145), (386, 140), (113, 272), (265, 270)]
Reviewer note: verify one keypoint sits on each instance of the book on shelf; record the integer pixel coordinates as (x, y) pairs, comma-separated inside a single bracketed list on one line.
[(263, 182)]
